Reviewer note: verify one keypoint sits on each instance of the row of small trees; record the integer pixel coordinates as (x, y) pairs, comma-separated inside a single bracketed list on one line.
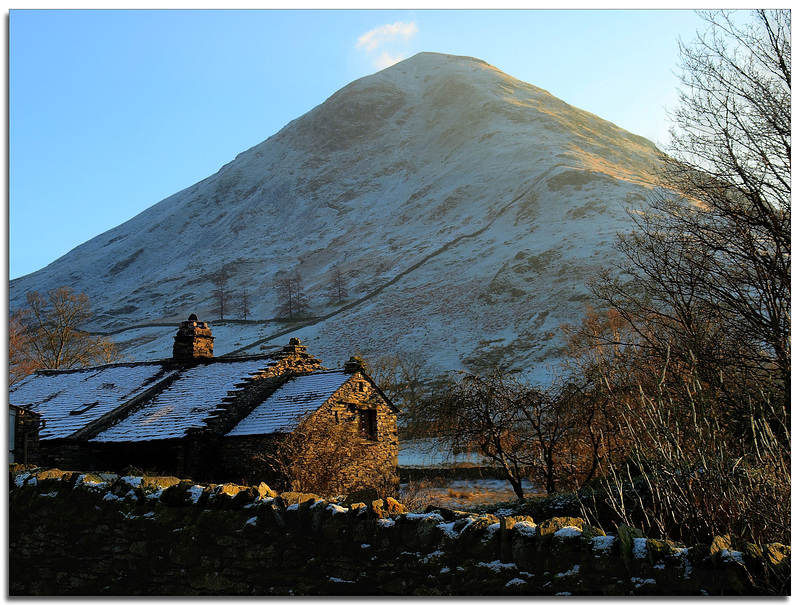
[(292, 299), (47, 331), (290, 291)]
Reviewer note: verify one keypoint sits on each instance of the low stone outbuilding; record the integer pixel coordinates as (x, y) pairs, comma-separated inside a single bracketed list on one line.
[(199, 416), (23, 437)]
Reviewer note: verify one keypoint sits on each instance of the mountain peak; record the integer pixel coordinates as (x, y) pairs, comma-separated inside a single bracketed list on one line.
[(465, 210), (429, 63), (428, 59)]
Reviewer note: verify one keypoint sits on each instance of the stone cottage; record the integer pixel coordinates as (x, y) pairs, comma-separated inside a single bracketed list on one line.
[(199, 416)]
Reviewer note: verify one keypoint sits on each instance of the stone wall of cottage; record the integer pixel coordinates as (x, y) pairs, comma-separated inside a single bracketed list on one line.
[(358, 393), (65, 453), (78, 534)]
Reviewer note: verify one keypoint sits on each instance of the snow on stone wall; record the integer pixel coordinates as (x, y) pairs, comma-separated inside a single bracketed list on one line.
[(78, 534)]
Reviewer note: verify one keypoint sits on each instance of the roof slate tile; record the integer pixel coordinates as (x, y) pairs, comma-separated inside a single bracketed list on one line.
[(301, 395)]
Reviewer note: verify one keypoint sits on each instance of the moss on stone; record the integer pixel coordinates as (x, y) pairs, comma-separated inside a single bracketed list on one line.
[(71, 542), (627, 535)]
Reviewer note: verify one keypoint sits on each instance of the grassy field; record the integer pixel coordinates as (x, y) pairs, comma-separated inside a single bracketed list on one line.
[(460, 494)]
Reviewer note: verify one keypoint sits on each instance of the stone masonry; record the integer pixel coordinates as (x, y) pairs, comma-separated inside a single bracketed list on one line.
[(357, 395), (75, 534)]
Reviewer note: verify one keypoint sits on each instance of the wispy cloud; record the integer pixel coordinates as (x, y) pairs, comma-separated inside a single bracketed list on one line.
[(374, 41), (386, 59)]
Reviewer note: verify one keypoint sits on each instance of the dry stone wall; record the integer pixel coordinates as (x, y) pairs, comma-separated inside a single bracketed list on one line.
[(79, 534)]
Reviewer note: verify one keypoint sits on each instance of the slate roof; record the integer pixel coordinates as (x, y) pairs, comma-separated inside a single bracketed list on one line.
[(301, 395), (70, 400), (185, 404)]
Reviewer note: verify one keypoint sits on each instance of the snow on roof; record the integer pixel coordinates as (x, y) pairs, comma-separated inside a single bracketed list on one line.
[(69, 400), (185, 403), (297, 397)]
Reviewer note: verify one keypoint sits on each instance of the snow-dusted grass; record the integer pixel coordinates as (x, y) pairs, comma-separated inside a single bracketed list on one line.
[(423, 453), (467, 493)]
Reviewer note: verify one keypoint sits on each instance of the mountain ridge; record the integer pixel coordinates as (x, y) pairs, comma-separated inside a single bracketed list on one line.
[(383, 174)]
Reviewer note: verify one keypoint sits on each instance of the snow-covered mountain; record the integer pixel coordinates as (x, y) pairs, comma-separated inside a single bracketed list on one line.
[(465, 209)]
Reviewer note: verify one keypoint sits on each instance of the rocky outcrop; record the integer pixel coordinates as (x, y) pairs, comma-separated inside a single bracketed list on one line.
[(80, 534)]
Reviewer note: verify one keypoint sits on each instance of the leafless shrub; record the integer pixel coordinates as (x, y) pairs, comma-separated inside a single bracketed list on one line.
[(325, 458), (416, 496), (697, 480), (528, 432)]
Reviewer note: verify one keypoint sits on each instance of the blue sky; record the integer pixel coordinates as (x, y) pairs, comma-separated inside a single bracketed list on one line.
[(113, 111)]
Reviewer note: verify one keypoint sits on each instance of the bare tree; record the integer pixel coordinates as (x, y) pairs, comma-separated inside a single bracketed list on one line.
[(337, 287), (701, 366), (20, 361), (708, 266), (222, 294), (527, 431), (731, 157), (292, 300), (244, 303), (47, 333), (404, 377)]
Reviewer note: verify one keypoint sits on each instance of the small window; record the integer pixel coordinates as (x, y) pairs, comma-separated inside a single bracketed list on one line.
[(368, 420)]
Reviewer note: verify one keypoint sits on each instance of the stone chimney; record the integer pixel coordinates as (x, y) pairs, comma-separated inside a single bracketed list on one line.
[(294, 347), (354, 364), (193, 341)]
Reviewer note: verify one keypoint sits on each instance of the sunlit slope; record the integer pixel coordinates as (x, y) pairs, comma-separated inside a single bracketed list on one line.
[(488, 201)]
